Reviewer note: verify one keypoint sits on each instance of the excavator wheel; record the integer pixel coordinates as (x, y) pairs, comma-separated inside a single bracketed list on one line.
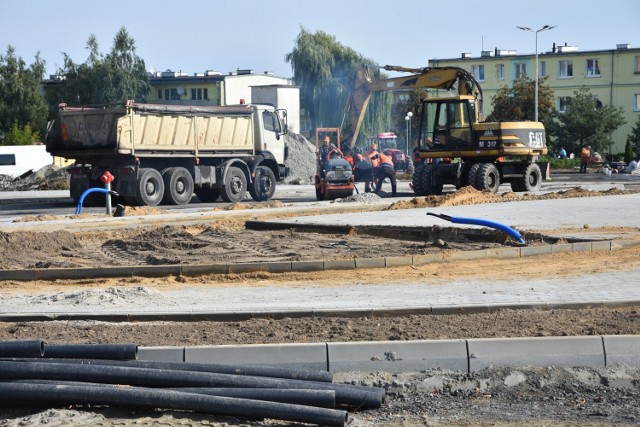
[(425, 183), (417, 180), (472, 177), (531, 179), (488, 178)]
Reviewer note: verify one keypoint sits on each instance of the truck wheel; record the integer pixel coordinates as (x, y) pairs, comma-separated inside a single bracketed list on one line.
[(178, 186), (207, 195), (150, 188), (264, 184), (531, 178), (488, 178), (235, 185), (472, 176)]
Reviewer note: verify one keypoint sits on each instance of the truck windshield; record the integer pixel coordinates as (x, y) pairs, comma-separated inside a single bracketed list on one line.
[(271, 121)]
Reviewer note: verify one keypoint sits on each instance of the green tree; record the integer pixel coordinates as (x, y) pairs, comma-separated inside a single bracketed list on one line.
[(628, 150), (412, 104), (586, 123), (113, 78), (323, 68), (517, 103), (23, 111)]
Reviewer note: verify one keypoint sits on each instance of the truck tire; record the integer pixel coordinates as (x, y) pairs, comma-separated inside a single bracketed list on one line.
[(235, 185), (531, 179), (488, 178), (472, 176), (149, 188), (207, 195), (264, 184), (178, 186)]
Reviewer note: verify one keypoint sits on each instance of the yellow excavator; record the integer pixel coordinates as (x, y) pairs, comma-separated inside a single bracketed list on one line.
[(454, 146)]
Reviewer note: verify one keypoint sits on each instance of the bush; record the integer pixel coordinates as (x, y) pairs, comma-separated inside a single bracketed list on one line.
[(560, 163)]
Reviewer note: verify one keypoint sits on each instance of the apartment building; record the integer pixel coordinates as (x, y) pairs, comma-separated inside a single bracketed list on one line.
[(612, 76)]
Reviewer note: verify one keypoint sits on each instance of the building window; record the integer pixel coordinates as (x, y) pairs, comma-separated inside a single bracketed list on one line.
[(500, 71), (7, 159), (478, 72), (565, 69), (593, 68), (200, 94), (521, 70), (543, 69), (159, 93), (562, 103), (637, 103), (171, 94), (636, 65)]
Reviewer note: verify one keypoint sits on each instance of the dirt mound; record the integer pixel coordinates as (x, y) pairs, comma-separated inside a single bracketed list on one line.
[(471, 196), (22, 248)]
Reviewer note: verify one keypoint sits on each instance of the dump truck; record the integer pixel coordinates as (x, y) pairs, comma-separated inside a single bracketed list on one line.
[(456, 146), (166, 153)]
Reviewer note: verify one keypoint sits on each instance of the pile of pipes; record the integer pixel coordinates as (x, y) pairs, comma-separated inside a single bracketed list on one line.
[(32, 372)]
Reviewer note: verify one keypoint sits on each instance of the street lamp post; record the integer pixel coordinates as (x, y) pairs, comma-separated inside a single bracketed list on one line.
[(407, 119), (545, 28)]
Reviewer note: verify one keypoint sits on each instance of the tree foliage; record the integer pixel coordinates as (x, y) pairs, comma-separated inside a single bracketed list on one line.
[(517, 103), (23, 111), (412, 104), (586, 123), (323, 68), (113, 78)]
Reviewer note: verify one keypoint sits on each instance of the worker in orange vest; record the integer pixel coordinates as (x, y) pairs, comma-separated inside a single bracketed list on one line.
[(383, 168), (585, 156)]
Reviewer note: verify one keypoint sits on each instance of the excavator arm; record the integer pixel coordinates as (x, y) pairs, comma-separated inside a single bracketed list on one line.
[(435, 78)]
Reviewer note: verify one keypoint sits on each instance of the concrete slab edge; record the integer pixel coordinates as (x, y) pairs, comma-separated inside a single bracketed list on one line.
[(464, 355), (309, 266)]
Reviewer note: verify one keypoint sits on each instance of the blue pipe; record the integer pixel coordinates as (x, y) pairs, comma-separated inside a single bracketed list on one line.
[(483, 222), (89, 191)]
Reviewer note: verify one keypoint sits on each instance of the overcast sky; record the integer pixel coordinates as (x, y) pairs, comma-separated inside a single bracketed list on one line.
[(225, 35)]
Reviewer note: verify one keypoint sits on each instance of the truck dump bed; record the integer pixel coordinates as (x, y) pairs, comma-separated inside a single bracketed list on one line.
[(139, 129)]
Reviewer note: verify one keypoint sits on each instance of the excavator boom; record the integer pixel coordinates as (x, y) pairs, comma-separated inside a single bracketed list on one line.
[(428, 77)]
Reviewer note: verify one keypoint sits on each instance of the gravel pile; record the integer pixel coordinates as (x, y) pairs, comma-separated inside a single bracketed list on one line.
[(301, 160)]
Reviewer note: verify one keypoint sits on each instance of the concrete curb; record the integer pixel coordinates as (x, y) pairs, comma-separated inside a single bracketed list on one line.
[(238, 316), (310, 266), (406, 356)]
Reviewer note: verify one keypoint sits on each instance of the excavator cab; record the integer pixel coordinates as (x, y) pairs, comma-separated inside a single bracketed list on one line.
[(447, 124)]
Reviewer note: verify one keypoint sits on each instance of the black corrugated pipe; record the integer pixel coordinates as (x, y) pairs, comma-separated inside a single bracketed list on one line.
[(26, 348), (357, 397), (255, 370), (320, 398), (170, 399), (92, 351)]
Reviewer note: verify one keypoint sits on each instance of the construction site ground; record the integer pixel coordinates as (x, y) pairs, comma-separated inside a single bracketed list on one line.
[(498, 396)]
